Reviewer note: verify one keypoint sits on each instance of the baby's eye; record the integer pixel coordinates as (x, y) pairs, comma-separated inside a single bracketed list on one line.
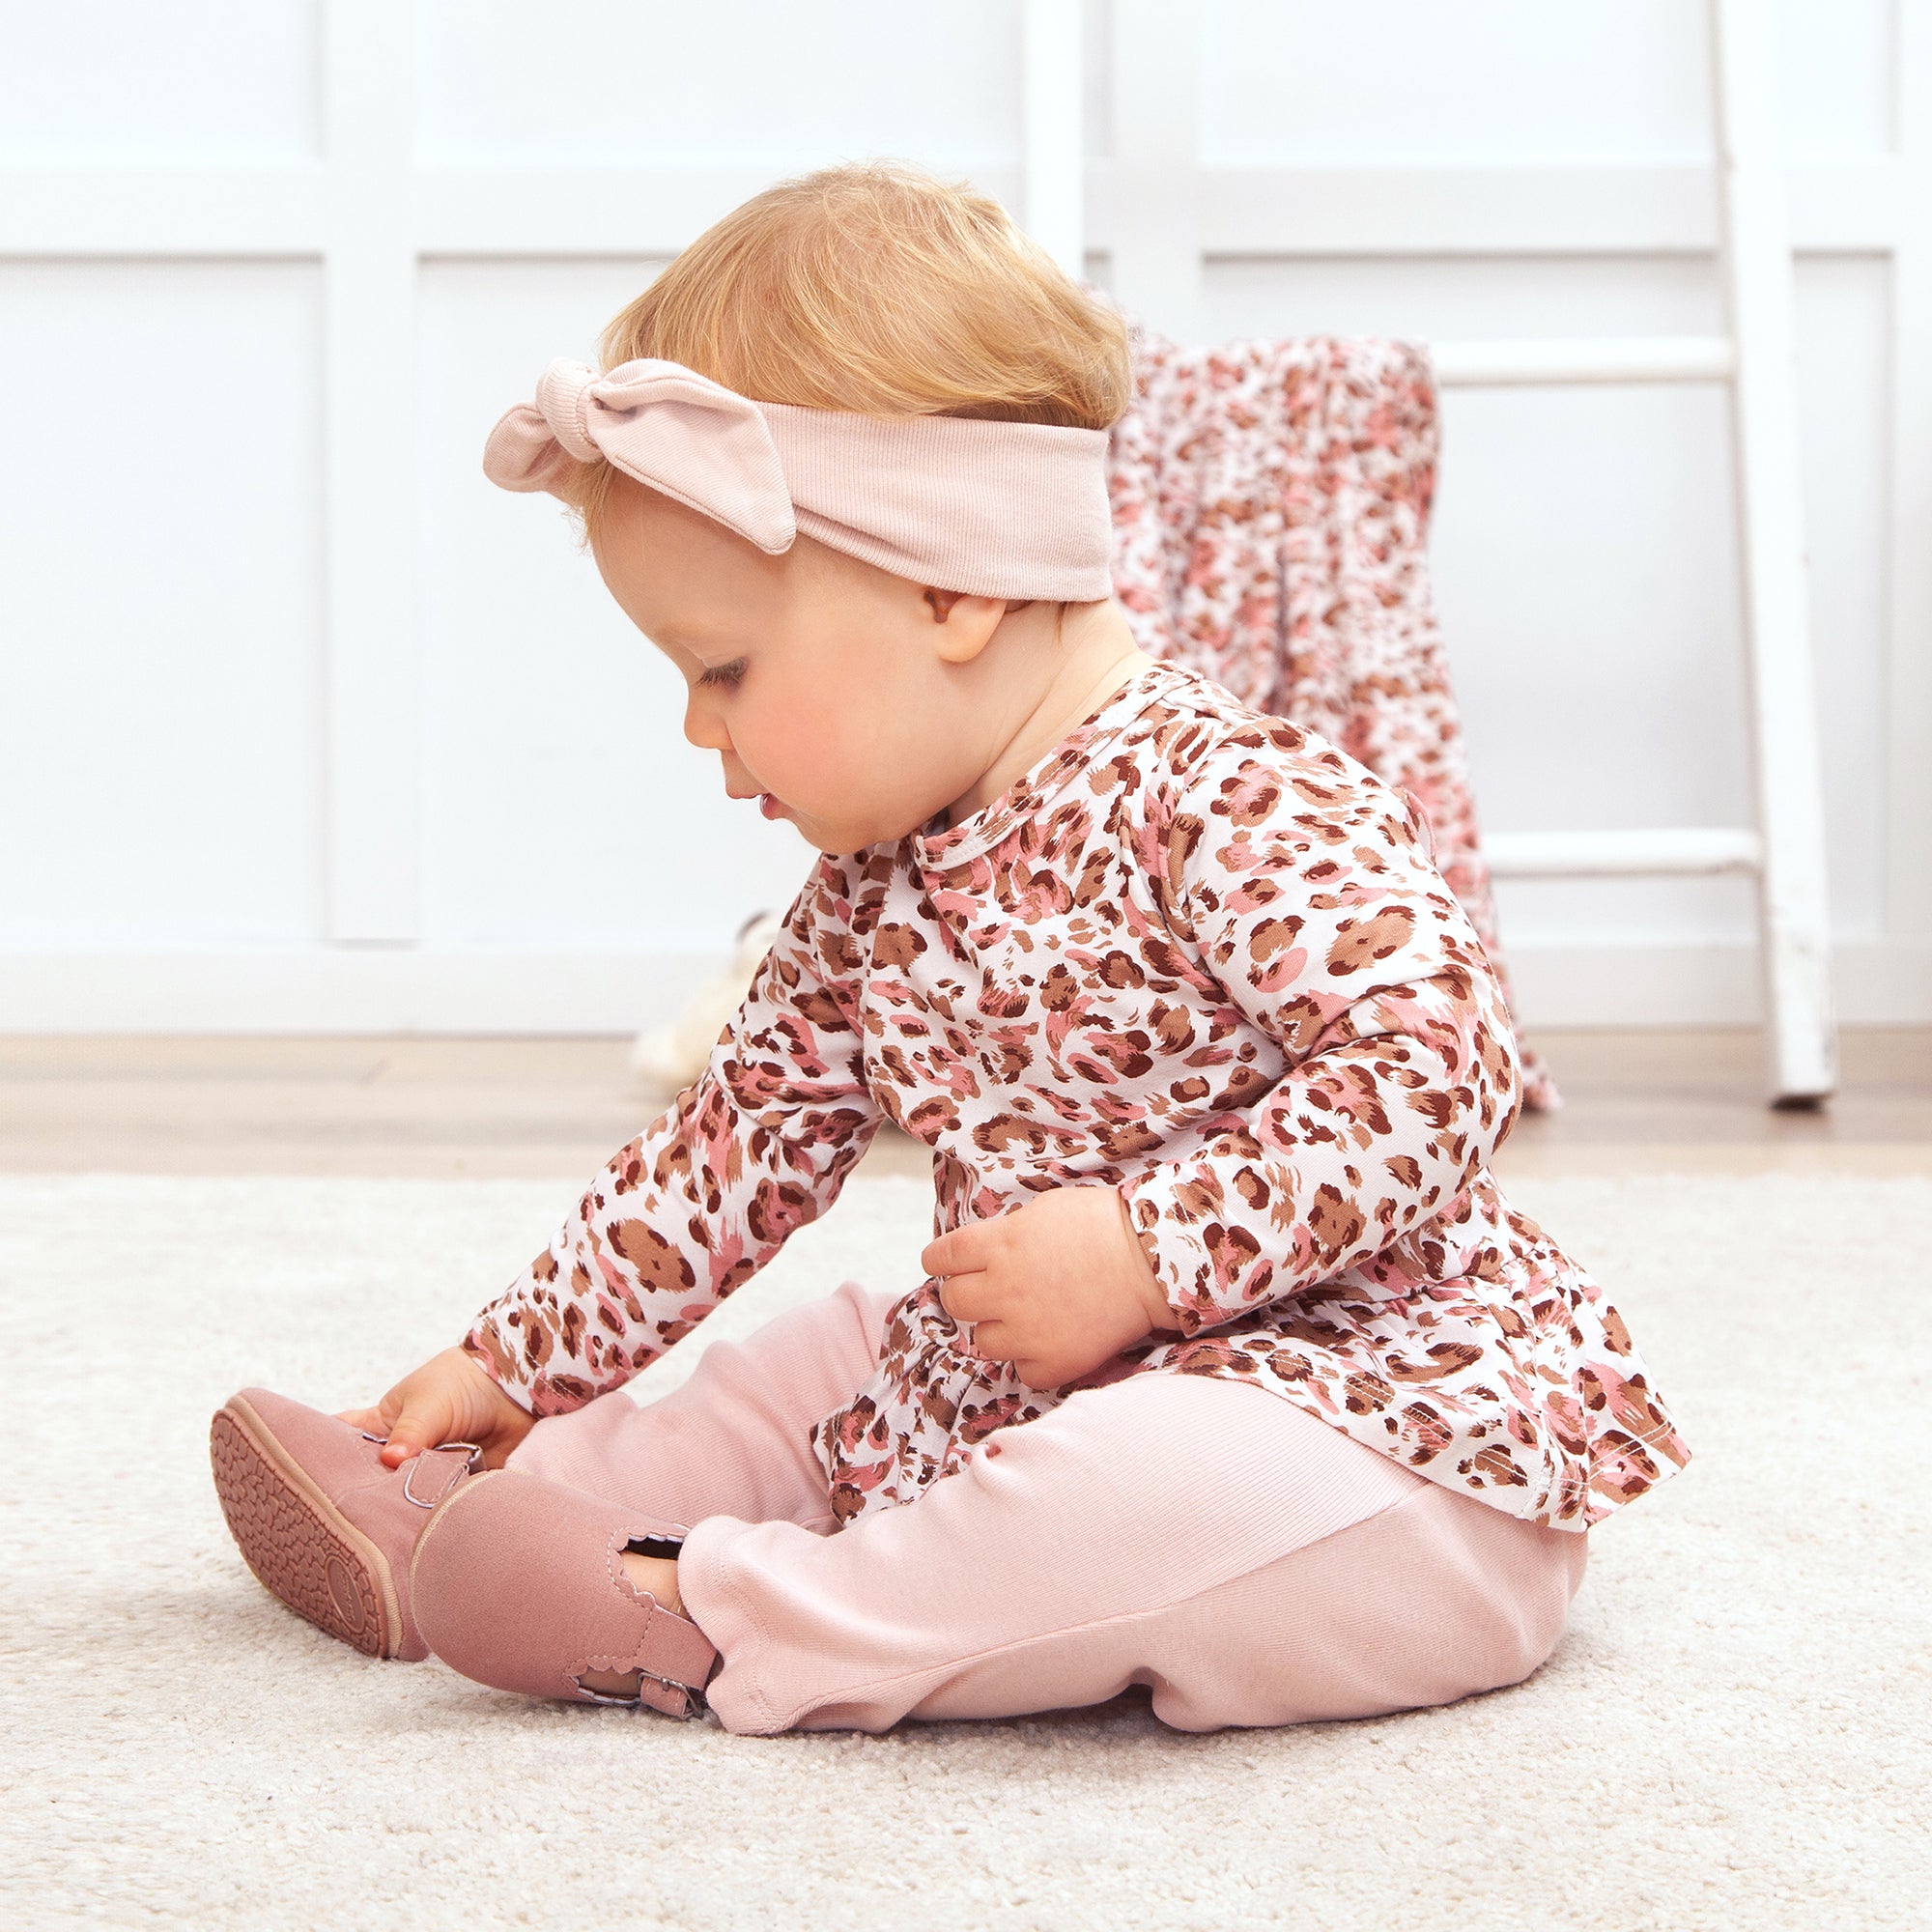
[(727, 673)]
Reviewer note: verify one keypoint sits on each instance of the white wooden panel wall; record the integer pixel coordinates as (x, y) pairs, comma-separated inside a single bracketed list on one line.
[(303, 725)]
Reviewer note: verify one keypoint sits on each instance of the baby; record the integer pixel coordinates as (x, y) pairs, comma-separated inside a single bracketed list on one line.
[(1233, 1374)]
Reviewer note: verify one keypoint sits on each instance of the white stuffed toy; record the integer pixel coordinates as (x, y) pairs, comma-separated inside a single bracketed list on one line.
[(671, 1056)]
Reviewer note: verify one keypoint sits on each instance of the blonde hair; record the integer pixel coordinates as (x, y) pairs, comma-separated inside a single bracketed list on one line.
[(876, 287)]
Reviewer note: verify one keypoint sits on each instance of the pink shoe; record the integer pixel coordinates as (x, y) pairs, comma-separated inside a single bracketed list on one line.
[(517, 1582), (322, 1522)]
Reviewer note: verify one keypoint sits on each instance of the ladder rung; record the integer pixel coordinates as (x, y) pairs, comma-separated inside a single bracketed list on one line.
[(1537, 855), (1637, 359)]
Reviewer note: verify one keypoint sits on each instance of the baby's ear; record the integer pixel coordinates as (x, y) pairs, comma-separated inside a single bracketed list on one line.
[(964, 622)]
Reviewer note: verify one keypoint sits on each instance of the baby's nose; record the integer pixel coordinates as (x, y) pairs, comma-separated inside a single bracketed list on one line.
[(704, 728)]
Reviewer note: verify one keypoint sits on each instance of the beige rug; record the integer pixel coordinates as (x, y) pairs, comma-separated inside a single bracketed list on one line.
[(1736, 1731)]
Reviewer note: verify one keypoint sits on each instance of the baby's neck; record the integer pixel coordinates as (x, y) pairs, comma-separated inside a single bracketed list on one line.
[(1097, 657)]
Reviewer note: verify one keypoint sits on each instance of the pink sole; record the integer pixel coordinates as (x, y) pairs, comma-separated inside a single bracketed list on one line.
[(300, 1546)]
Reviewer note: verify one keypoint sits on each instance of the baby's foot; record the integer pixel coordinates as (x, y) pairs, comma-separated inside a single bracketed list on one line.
[(319, 1521)]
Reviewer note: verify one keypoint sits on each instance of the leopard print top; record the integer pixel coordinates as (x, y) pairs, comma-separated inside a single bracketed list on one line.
[(1196, 954)]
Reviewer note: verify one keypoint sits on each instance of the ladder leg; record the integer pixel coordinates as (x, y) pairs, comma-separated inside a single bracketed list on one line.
[(1792, 909)]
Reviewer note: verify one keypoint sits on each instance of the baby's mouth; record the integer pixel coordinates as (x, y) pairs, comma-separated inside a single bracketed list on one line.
[(769, 803)]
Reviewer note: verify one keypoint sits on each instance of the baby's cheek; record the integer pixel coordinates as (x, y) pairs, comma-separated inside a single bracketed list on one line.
[(820, 783)]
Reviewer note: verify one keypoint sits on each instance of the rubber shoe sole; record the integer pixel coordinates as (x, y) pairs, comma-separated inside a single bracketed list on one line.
[(299, 1546)]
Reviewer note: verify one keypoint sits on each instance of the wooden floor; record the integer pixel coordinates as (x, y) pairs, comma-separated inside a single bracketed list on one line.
[(558, 1108)]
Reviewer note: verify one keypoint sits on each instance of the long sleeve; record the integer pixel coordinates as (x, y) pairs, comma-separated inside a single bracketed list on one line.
[(756, 1146), (1306, 887)]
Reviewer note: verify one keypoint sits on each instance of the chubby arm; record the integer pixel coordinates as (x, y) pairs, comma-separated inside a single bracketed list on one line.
[(756, 1146), (1308, 889)]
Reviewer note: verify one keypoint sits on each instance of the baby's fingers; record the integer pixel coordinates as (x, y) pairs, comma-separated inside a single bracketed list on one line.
[(968, 1298), (419, 1421), (960, 1250), (991, 1341), (369, 1419)]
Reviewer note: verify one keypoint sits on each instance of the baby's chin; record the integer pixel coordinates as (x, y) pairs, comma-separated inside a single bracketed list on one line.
[(840, 841), (838, 826)]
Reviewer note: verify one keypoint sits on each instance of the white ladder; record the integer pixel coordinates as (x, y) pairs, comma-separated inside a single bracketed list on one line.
[(1785, 853)]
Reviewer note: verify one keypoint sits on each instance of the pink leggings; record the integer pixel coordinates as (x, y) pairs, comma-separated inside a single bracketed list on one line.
[(1247, 1561)]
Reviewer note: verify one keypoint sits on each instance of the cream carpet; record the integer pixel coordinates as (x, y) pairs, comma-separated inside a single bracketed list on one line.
[(1735, 1732)]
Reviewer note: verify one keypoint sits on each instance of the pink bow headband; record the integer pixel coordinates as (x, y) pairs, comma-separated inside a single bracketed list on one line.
[(994, 509)]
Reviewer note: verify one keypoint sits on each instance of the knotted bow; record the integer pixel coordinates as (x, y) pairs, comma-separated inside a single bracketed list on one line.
[(661, 422)]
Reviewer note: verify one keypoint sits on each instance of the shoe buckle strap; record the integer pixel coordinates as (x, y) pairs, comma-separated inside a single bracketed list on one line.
[(684, 1656), (673, 1643), (455, 1467), (674, 1701), (468, 1461), (653, 1693)]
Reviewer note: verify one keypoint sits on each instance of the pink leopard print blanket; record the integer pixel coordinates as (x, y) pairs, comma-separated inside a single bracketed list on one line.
[(1270, 517)]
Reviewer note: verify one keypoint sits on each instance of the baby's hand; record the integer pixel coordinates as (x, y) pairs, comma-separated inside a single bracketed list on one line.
[(1056, 1288), (450, 1399)]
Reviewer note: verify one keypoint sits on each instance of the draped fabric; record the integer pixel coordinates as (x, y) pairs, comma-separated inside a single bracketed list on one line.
[(1270, 505)]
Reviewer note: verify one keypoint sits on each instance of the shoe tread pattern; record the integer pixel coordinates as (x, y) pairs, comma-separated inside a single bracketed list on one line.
[(290, 1545)]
